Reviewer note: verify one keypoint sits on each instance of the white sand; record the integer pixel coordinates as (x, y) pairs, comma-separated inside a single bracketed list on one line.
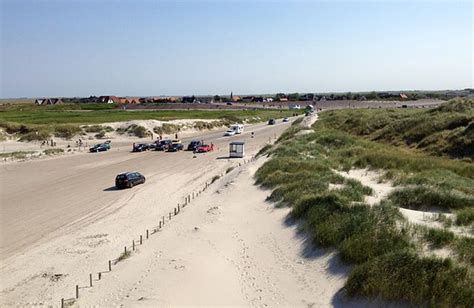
[(70, 146), (228, 247)]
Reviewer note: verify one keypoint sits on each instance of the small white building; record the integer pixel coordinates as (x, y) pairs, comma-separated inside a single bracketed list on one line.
[(237, 149)]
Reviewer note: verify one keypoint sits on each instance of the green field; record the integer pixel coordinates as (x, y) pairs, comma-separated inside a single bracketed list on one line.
[(393, 258), (28, 122), (101, 113)]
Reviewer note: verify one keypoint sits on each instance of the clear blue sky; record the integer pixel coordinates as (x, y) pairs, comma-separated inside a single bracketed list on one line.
[(82, 48)]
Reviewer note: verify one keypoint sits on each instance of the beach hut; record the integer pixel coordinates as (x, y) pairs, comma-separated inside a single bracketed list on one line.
[(237, 149)]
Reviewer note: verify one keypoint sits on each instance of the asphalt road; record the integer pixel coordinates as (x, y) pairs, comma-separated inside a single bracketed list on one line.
[(39, 197)]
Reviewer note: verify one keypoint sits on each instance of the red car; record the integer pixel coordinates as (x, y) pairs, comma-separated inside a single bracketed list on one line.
[(205, 148)]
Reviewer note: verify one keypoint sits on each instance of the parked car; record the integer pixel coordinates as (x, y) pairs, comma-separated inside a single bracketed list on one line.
[(205, 148), (193, 145), (229, 104), (271, 122), (101, 147), (175, 146), (128, 179), (140, 147), (286, 120), (163, 145), (230, 132), (152, 146)]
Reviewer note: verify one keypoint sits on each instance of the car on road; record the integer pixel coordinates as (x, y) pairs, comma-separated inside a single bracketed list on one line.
[(230, 132), (128, 179), (163, 145), (271, 122), (175, 146), (193, 145), (286, 120), (237, 128), (140, 147), (101, 147), (205, 148)]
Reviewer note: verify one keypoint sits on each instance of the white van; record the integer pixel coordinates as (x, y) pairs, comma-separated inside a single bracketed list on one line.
[(237, 128)]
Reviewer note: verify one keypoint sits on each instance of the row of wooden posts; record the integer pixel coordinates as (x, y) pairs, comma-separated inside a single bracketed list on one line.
[(161, 224)]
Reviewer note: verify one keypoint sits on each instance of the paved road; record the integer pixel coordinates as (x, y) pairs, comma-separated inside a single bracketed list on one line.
[(39, 197)]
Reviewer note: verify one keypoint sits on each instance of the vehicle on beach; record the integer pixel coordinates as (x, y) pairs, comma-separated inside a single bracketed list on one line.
[(175, 146), (140, 147), (286, 120), (205, 148), (193, 145), (152, 146), (128, 179), (163, 145), (271, 122), (101, 147), (229, 133), (237, 128)]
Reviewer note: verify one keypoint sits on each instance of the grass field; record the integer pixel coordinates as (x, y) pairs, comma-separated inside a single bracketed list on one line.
[(386, 250), (101, 113), (28, 122)]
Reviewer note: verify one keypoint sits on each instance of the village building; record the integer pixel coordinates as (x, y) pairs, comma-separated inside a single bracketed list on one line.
[(109, 99)]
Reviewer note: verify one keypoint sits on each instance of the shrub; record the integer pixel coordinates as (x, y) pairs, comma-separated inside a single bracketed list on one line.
[(100, 135), (98, 129), (264, 150), (66, 131), (464, 248), (166, 129), (16, 154), (53, 151), (403, 275), (465, 217), (438, 237), (215, 178), (134, 130), (40, 135), (426, 198)]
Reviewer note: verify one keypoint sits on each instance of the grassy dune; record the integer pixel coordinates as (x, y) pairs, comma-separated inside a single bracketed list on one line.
[(387, 251), (446, 130)]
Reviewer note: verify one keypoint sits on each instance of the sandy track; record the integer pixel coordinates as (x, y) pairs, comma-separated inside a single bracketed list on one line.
[(61, 216), (229, 247)]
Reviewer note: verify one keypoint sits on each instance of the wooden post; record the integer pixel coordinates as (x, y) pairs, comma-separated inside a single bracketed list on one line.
[(146, 233), (110, 266), (163, 221), (175, 212), (178, 208), (77, 291), (133, 245), (62, 302), (141, 240), (170, 215), (90, 280), (160, 225), (99, 276)]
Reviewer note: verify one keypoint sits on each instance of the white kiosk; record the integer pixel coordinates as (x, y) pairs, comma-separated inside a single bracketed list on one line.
[(237, 149)]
